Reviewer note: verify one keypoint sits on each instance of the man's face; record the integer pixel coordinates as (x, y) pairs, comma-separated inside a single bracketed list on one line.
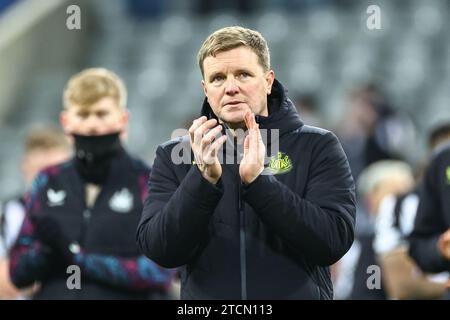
[(103, 117), (235, 82)]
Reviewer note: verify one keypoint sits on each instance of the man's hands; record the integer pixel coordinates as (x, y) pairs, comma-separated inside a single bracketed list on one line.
[(252, 164), (444, 244), (206, 140), (49, 232)]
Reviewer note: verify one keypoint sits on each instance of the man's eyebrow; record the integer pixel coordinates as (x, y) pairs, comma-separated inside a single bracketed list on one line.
[(241, 70), (237, 71), (214, 74)]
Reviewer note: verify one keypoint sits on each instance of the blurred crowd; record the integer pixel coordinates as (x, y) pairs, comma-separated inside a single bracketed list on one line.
[(389, 190)]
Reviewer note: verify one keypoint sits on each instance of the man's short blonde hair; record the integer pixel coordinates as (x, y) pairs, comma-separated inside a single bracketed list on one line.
[(232, 37), (91, 85)]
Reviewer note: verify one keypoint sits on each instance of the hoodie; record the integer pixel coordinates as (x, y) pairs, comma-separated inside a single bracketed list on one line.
[(271, 239)]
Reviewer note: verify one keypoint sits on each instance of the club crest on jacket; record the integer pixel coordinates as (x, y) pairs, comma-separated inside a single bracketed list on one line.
[(279, 164), (55, 198), (121, 201)]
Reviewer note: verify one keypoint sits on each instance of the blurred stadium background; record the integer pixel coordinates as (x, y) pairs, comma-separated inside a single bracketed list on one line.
[(318, 48)]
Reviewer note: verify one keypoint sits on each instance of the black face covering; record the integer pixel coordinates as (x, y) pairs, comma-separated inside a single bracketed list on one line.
[(93, 155)]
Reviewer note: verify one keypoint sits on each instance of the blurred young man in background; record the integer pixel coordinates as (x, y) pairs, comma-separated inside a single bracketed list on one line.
[(430, 238), (85, 212)]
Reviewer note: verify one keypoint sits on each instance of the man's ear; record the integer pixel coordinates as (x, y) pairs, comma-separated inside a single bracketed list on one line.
[(64, 121), (270, 78), (125, 117), (204, 88)]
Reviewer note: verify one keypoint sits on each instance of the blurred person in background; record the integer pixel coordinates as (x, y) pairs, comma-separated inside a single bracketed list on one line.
[(430, 238), (243, 230), (372, 130), (84, 212), (392, 215), (395, 212), (378, 182), (307, 106), (394, 224), (44, 146)]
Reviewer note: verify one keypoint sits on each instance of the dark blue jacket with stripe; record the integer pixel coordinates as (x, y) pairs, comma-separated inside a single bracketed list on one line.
[(111, 266)]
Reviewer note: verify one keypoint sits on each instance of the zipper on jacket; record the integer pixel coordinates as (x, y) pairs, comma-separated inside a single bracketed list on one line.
[(89, 207), (242, 246), (241, 210), (86, 218), (241, 207)]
